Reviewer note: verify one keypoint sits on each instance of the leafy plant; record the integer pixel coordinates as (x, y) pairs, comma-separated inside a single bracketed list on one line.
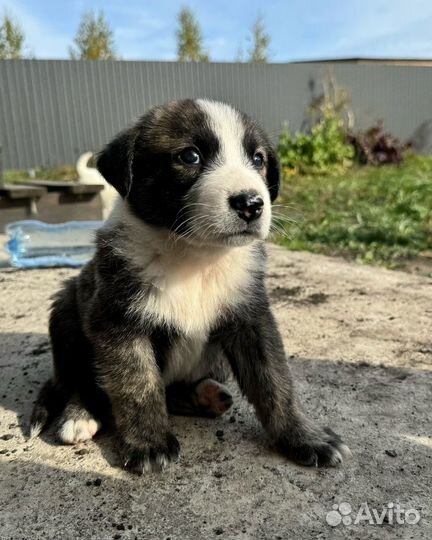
[(322, 151), (376, 146)]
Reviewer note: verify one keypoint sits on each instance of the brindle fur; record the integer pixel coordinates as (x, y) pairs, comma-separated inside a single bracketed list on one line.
[(110, 363)]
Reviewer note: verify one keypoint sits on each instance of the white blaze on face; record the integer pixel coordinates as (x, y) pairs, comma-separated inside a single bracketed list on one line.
[(229, 130), (231, 174)]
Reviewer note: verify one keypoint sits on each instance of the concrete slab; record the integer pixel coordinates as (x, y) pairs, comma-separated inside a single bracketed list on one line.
[(360, 346)]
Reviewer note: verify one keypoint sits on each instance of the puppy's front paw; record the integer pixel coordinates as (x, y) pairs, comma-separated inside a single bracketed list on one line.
[(314, 447), (152, 456)]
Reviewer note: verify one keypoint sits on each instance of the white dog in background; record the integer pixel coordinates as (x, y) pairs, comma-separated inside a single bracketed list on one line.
[(90, 175)]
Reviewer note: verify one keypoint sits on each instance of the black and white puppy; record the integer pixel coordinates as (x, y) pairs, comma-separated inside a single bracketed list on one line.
[(175, 294)]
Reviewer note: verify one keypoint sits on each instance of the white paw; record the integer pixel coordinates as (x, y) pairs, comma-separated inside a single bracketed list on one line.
[(341, 454), (75, 431)]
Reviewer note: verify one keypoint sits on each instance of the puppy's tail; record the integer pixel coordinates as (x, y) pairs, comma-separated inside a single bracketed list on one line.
[(81, 165), (47, 405)]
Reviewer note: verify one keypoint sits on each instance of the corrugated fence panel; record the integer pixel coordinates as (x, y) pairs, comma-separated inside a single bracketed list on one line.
[(53, 110)]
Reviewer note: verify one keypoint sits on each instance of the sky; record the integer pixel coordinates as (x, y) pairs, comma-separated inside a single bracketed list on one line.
[(299, 29)]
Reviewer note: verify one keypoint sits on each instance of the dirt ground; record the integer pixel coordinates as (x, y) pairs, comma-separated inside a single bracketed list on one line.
[(359, 340)]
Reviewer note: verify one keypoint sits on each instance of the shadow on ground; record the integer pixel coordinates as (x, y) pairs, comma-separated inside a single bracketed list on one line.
[(231, 486)]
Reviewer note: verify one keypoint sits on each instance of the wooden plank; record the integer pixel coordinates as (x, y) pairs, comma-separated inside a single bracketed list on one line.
[(21, 191), (52, 207), (14, 210), (58, 207), (68, 187)]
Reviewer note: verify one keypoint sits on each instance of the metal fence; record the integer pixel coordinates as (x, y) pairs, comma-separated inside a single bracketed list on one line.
[(53, 110)]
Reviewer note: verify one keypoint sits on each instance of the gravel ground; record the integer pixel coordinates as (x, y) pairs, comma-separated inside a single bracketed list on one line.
[(359, 340)]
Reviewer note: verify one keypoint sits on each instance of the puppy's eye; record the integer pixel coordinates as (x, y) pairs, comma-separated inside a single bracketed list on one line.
[(189, 156), (258, 160)]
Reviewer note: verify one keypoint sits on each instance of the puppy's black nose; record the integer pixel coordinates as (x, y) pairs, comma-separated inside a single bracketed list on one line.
[(248, 205)]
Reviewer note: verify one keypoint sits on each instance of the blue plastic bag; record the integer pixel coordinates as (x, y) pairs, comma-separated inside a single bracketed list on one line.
[(34, 244)]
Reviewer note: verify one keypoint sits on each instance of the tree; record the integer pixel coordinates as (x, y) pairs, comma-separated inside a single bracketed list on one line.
[(260, 42), (11, 39), (189, 38), (94, 39)]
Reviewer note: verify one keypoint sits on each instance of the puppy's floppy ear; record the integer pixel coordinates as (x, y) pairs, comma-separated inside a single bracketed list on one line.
[(273, 173), (115, 161)]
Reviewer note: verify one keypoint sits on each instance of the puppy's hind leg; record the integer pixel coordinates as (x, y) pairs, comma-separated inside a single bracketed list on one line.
[(72, 363), (76, 424), (206, 397)]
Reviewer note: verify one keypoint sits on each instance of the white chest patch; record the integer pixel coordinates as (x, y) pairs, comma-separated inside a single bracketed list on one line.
[(185, 287), (186, 361), (191, 295)]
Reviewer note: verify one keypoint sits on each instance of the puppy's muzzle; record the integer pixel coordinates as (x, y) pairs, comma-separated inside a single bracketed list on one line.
[(248, 205)]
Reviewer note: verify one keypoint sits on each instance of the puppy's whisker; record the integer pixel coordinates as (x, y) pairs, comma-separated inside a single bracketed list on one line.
[(277, 230), (287, 206), (196, 228), (193, 223), (187, 206), (281, 217), (208, 229), (191, 219), (281, 231), (187, 220), (291, 230), (197, 204), (200, 231), (280, 213)]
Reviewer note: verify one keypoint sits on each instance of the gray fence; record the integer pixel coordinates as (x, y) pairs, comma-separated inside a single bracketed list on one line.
[(52, 110)]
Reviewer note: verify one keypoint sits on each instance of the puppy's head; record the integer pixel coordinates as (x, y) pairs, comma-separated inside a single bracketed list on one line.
[(199, 168)]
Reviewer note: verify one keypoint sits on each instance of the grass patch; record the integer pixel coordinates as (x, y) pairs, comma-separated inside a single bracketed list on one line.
[(61, 174), (378, 215)]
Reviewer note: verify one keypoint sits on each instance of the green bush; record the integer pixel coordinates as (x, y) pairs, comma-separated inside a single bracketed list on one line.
[(324, 150)]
